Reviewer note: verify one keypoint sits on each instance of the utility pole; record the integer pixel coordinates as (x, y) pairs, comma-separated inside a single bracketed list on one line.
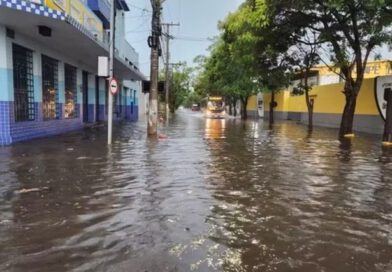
[(167, 79), (111, 57), (153, 43)]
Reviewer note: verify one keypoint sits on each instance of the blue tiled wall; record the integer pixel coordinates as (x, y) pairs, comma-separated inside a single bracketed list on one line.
[(132, 115), (5, 126), (91, 113), (12, 131), (102, 115)]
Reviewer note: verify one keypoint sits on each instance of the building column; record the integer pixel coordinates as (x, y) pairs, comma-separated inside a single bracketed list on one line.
[(91, 98), (6, 89), (37, 71), (61, 89), (102, 99)]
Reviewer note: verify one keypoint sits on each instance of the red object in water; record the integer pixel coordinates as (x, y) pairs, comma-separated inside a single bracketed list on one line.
[(162, 136)]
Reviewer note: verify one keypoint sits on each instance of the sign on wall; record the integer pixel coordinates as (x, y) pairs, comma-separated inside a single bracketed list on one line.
[(382, 83)]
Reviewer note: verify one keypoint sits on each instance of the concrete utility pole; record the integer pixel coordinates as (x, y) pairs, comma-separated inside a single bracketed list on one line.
[(111, 58), (167, 79), (153, 43)]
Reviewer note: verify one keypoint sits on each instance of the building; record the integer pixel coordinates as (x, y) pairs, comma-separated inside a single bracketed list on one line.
[(327, 87), (48, 67)]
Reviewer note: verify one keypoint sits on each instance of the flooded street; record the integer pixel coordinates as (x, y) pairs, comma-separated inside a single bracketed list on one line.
[(217, 195)]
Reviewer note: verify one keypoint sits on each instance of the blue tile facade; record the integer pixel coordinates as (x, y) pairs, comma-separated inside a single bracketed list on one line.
[(30, 7), (102, 115), (12, 131), (91, 113), (5, 126), (132, 112)]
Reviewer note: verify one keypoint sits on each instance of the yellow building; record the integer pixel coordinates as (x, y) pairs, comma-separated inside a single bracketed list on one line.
[(329, 101), (81, 13)]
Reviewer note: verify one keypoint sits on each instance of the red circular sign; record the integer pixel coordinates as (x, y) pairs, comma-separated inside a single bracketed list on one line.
[(113, 86)]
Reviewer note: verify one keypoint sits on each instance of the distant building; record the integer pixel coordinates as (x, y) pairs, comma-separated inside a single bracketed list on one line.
[(329, 101), (48, 67)]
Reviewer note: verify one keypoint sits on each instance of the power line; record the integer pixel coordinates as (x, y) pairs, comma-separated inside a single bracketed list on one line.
[(194, 39), (138, 31)]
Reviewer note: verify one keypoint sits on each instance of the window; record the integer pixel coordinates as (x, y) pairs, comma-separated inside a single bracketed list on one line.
[(50, 88), (23, 83), (70, 92)]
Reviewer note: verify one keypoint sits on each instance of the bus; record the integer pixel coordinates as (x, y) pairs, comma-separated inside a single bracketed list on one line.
[(215, 107)]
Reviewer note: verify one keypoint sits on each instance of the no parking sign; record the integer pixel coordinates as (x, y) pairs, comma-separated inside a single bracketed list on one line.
[(113, 86)]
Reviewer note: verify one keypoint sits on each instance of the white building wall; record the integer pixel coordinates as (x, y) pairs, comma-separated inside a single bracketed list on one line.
[(123, 47), (5, 66), (328, 79), (40, 49)]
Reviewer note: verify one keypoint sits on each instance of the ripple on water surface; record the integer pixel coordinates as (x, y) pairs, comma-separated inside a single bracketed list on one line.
[(217, 195)]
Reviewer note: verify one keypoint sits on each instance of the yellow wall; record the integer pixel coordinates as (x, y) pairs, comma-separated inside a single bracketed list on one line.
[(373, 69), (252, 103), (80, 12), (328, 99)]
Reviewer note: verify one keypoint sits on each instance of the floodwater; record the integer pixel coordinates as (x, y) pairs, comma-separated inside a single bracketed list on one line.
[(217, 195)]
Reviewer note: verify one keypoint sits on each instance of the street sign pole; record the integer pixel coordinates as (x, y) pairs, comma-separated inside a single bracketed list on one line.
[(111, 54)]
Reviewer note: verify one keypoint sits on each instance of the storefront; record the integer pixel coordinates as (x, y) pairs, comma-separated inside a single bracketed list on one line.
[(48, 82)]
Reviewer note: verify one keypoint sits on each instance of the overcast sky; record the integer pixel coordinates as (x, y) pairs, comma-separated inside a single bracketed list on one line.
[(198, 22)]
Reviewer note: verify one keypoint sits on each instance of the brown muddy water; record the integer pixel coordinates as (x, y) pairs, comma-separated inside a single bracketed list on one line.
[(217, 195)]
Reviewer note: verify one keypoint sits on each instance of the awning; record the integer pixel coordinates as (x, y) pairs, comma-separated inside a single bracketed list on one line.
[(68, 37)]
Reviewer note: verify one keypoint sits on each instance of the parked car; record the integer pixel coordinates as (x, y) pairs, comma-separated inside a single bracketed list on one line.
[(195, 107)]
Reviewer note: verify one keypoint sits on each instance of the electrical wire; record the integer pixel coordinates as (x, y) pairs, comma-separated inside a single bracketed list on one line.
[(192, 39)]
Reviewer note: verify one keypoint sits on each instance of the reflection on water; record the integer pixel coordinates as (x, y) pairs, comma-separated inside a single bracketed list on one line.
[(215, 128), (254, 200)]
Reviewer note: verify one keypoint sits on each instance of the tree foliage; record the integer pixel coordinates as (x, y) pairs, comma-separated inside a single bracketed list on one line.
[(264, 41), (180, 86), (348, 31)]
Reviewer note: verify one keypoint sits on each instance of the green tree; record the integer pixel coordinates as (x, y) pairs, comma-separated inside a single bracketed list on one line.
[(230, 69), (192, 98), (349, 30), (180, 83), (306, 57)]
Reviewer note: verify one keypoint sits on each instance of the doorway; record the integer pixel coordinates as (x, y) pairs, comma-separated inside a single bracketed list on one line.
[(97, 107), (85, 96)]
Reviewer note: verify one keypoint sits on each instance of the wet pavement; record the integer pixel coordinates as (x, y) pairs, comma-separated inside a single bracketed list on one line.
[(217, 195)]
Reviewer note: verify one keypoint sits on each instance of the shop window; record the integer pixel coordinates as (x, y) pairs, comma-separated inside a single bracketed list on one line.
[(50, 88), (23, 83), (70, 106)]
